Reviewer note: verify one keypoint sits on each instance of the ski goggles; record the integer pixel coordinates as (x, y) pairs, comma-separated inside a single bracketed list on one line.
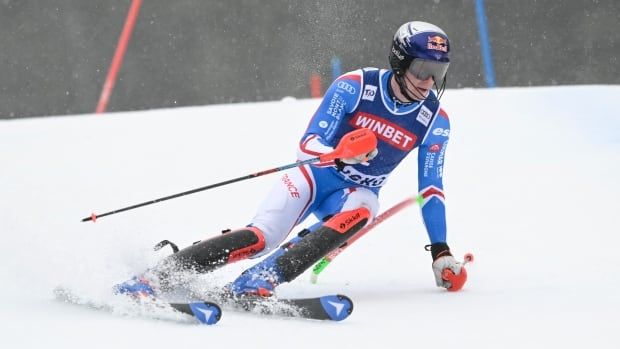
[(424, 69)]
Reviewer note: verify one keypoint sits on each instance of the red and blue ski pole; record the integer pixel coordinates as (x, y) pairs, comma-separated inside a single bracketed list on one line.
[(360, 141)]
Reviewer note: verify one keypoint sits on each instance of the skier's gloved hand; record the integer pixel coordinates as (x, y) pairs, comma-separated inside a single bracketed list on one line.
[(356, 147), (449, 273), (360, 159)]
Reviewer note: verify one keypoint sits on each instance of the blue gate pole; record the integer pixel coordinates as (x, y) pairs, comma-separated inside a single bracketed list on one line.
[(336, 68), (485, 45)]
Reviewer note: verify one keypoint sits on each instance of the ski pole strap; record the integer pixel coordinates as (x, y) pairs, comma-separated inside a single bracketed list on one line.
[(325, 261)]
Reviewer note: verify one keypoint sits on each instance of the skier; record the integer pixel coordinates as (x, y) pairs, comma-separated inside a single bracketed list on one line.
[(396, 110)]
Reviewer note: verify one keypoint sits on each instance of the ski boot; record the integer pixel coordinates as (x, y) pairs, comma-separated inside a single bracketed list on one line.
[(260, 280), (261, 285), (137, 287)]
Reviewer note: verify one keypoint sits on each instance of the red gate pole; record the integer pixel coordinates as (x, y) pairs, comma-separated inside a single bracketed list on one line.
[(117, 60), (315, 85)]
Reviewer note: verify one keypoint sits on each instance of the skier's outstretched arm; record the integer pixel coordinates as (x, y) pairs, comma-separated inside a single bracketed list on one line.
[(431, 158)]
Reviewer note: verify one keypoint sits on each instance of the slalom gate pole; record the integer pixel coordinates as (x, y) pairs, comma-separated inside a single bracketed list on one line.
[(362, 141), (323, 263), (119, 53)]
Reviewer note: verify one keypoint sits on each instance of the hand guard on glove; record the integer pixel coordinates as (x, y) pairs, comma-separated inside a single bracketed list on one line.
[(360, 159), (356, 147), (449, 273)]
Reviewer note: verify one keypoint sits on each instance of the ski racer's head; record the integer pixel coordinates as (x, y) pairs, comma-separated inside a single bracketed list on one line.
[(419, 58)]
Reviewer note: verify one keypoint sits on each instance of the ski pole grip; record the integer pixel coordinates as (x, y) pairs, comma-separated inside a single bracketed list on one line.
[(355, 143)]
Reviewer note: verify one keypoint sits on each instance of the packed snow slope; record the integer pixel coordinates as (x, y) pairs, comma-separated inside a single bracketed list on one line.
[(531, 180)]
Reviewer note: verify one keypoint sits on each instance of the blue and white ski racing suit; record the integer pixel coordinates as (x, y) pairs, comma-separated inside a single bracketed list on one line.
[(360, 99)]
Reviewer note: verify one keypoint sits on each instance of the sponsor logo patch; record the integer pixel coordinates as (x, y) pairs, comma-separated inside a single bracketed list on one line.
[(424, 116), (344, 221), (353, 175), (397, 53), (346, 87), (441, 132), (370, 92), (434, 148), (429, 163), (344, 225), (336, 106), (389, 132), (437, 43)]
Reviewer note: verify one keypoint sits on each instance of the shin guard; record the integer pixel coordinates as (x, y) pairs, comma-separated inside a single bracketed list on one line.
[(314, 246), (229, 247)]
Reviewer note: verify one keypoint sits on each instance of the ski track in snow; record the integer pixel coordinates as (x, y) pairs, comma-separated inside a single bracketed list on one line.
[(531, 179)]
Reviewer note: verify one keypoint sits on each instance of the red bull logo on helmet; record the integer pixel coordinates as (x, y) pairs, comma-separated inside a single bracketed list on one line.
[(438, 43)]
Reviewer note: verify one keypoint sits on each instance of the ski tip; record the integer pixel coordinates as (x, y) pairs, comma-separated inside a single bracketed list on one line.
[(338, 307), (206, 312)]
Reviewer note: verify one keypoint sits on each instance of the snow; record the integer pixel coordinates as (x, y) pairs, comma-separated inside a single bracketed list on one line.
[(531, 178)]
